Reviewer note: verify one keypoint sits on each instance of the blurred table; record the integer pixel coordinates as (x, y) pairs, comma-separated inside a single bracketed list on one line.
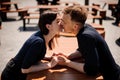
[(67, 2), (109, 3), (8, 4)]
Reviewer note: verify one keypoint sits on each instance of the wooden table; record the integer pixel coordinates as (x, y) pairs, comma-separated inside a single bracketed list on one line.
[(9, 4), (110, 3), (21, 12), (45, 7), (61, 73), (60, 7), (68, 2)]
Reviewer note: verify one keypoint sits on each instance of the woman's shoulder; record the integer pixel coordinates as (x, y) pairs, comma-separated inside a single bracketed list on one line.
[(37, 37)]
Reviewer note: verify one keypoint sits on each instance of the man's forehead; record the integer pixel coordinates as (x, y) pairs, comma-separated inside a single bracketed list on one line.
[(65, 16)]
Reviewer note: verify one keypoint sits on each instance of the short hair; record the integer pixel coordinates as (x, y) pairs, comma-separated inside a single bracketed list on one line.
[(78, 13), (47, 17)]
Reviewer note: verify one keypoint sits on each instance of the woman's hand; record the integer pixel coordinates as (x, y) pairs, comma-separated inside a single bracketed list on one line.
[(53, 62)]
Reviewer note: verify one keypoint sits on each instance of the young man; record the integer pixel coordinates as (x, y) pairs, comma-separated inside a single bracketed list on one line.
[(91, 46)]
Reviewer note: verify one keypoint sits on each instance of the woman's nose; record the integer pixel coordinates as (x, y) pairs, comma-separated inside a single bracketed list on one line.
[(59, 23)]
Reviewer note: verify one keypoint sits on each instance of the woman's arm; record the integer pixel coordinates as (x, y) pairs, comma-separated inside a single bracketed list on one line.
[(41, 66)]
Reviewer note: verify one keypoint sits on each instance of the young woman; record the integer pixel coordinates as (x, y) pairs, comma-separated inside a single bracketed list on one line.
[(34, 49)]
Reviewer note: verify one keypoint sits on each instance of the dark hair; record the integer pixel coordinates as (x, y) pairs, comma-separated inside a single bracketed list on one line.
[(77, 13), (47, 17)]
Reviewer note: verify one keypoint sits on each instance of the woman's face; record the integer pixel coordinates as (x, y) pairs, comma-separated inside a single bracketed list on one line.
[(55, 28)]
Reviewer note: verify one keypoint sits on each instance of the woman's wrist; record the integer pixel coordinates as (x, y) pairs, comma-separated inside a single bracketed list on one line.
[(49, 65)]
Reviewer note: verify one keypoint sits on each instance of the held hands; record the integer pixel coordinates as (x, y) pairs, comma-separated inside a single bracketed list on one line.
[(54, 54), (62, 60), (59, 59)]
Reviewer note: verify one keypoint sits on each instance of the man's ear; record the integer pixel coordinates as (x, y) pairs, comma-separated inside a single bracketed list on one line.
[(76, 26)]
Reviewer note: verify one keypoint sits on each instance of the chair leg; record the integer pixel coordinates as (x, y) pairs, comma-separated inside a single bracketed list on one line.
[(100, 21), (28, 21), (93, 20), (0, 24), (24, 25)]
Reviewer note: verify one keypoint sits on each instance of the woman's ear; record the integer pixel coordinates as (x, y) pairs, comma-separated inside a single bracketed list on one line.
[(48, 26)]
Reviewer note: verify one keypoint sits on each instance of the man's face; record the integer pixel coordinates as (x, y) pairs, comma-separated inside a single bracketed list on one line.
[(66, 23)]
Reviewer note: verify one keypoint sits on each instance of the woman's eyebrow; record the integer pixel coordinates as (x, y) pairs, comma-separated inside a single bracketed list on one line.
[(62, 20)]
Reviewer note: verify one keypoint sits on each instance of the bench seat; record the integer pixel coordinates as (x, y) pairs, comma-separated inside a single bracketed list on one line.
[(95, 17), (21, 12), (28, 17)]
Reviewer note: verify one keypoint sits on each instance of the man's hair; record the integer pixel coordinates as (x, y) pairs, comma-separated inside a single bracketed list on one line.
[(78, 13)]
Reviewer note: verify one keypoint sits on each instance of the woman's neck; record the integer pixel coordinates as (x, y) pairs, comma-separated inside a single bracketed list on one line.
[(48, 38)]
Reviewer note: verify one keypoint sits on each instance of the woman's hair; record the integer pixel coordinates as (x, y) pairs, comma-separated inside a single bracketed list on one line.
[(47, 17), (77, 13)]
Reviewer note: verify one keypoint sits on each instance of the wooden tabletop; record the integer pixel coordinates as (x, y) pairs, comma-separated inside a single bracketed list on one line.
[(68, 2), (110, 1), (44, 6), (2, 9), (61, 73)]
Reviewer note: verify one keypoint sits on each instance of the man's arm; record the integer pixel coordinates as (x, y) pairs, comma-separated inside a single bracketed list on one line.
[(70, 56), (77, 66), (74, 55), (62, 60)]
